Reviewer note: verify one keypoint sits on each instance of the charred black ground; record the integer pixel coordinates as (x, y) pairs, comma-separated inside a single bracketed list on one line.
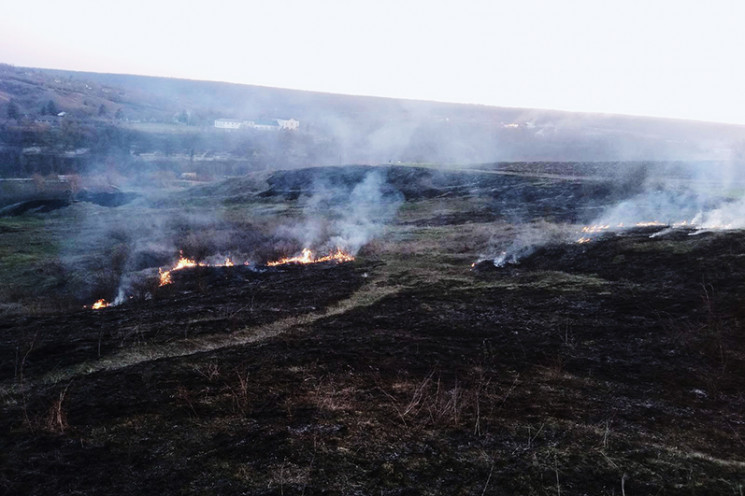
[(615, 366)]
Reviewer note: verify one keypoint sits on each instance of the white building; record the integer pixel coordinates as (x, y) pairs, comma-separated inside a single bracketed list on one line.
[(261, 125), (266, 125), (227, 124), (290, 124)]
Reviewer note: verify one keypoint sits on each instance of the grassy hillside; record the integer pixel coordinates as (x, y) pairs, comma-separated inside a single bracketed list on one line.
[(137, 123), (608, 367)]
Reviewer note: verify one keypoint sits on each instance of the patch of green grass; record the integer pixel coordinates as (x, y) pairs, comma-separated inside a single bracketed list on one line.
[(20, 223), (27, 251)]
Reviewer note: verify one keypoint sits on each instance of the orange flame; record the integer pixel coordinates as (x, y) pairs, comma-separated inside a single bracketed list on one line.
[(187, 263), (596, 228), (183, 263), (100, 304), (165, 277), (338, 256), (306, 257), (653, 223), (590, 231)]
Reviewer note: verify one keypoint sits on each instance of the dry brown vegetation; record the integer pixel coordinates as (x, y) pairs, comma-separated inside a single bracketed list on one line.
[(614, 367)]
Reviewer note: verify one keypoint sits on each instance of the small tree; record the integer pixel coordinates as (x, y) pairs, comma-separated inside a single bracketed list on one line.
[(39, 182), (52, 108), (13, 112), (183, 117), (102, 110)]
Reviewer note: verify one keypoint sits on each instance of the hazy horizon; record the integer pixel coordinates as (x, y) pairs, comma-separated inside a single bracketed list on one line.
[(667, 59)]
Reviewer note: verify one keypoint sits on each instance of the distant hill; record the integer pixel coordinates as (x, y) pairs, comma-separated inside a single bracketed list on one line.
[(53, 121)]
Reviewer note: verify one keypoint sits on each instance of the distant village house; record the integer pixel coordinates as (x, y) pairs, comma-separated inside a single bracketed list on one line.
[(290, 124), (227, 124), (260, 125)]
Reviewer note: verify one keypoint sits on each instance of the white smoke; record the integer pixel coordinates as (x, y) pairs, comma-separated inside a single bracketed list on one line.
[(368, 211), (729, 216), (529, 237), (702, 196), (337, 216), (660, 206)]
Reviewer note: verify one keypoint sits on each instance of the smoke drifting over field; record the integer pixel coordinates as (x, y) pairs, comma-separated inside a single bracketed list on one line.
[(159, 138), (508, 251), (344, 216), (694, 196), (117, 255), (144, 130), (702, 196)]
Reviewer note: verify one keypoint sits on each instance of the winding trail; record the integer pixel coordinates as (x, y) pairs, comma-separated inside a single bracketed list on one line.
[(368, 294)]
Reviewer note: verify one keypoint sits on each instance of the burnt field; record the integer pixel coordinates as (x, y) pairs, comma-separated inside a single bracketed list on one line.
[(615, 366)]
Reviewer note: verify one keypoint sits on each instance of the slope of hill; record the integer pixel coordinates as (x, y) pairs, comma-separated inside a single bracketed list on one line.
[(614, 366), (125, 120)]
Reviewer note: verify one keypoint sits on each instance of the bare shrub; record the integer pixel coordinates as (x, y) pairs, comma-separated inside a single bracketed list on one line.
[(198, 245), (432, 401), (39, 182), (210, 371), (239, 393), (118, 257), (56, 420), (184, 395), (373, 248), (143, 285), (330, 396), (105, 282)]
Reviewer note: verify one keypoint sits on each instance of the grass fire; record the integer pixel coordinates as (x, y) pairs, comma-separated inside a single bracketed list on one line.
[(165, 276), (307, 257), (99, 304), (602, 363)]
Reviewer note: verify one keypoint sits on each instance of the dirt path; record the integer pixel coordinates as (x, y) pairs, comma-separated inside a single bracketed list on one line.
[(367, 295)]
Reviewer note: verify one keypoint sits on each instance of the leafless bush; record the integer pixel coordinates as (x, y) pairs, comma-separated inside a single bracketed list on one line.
[(210, 371), (198, 245), (56, 419), (118, 256), (435, 402), (119, 234), (104, 284), (184, 395), (330, 397), (239, 393), (372, 248), (143, 285), (39, 182)]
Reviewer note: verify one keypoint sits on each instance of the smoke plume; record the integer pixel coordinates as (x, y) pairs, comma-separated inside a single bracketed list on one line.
[(703, 196), (345, 216)]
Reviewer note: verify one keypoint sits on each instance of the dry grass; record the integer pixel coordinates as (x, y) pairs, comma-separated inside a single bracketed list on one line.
[(371, 292)]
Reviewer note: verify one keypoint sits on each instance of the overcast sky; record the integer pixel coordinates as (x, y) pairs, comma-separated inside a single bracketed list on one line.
[(666, 58)]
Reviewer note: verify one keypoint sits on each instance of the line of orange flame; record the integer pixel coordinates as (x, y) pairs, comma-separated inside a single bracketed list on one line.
[(306, 257), (598, 228), (184, 263)]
